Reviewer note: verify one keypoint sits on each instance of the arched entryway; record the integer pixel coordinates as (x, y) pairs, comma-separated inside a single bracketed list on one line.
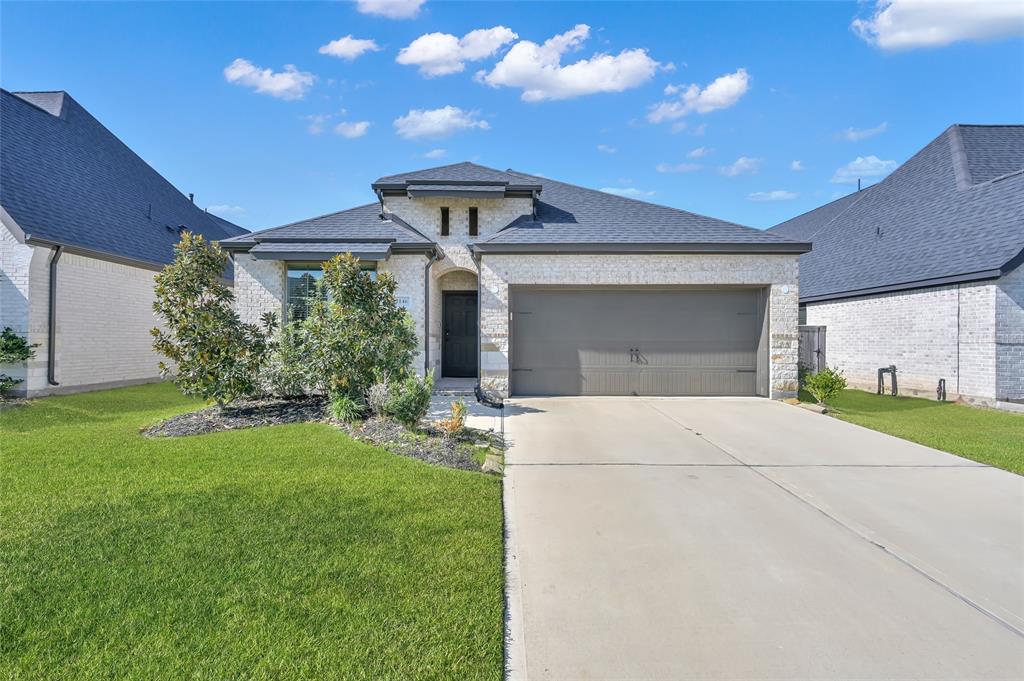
[(454, 319)]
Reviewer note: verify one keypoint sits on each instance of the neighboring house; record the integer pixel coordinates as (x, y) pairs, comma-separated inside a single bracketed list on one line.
[(923, 270), (85, 225), (540, 287)]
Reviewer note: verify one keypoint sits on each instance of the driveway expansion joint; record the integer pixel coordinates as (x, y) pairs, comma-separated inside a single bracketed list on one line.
[(905, 561)]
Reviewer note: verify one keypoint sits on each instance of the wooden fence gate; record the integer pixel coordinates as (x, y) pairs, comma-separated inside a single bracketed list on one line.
[(812, 348)]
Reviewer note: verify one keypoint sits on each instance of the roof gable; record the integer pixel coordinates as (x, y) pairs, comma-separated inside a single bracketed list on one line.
[(65, 178)]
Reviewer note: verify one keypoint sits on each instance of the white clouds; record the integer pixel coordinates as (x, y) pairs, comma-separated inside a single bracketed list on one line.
[(392, 9), (349, 48), (777, 195), (352, 130), (856, 135), (699, 152), (863, 167), (538, 71), (605, 149), (316, 123), (677, 168), (630, 192), (744, 165), (796, 166), (722, 93), (288, 84), (435, 123), (435, 153), (439, 54), (908, 24), (225, 209)]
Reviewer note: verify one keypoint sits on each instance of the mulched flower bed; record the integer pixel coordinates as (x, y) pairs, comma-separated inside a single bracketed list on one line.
[(465, 451), (244, 414), (427, 445)]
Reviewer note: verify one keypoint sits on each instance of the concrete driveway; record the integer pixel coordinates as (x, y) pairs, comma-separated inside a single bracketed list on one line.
[(748, 539)]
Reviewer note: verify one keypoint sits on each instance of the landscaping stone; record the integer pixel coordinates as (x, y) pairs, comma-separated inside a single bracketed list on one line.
[(492, 464), (816, 408), (242, 414), (426, 445)]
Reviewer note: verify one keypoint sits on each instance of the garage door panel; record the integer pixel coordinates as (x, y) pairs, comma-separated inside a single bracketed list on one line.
[(579, 341)]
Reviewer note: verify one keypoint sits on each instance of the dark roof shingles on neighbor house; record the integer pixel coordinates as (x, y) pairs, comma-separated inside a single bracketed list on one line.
[(953, 212), (66, 179), (568, 218)]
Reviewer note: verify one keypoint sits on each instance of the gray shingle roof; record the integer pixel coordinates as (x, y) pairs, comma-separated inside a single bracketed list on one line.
[(950, 213), (64, 178), (566, 215), (456, 172), (569, 214), (319, 250), (359, 224)]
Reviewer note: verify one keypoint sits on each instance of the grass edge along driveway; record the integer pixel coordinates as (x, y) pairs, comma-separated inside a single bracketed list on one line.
[(988, 436), (281, 552)]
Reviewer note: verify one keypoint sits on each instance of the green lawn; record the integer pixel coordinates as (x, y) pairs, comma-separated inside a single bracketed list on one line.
[(271, 553), (985, 435)]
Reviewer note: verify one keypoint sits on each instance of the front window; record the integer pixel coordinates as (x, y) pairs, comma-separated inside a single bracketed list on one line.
[(303, 290)]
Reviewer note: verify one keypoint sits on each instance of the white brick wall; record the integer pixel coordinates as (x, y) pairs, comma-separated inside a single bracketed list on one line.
[(408, 273), (1009, 295), (970, 334), (499, 272), (259, 287), (104, 315), (15, 269)]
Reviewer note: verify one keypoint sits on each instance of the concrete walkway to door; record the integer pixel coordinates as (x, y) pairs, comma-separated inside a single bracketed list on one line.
[(747, 539)]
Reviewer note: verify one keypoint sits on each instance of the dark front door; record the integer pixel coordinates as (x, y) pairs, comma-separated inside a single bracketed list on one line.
[(459, 344)]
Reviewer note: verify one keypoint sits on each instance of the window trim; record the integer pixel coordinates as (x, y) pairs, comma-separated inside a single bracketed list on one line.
[(474, 221), (446, 225)]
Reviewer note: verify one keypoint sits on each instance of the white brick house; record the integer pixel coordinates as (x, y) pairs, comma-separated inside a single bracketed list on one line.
[(84, 226), (923, 270), (533, 286)]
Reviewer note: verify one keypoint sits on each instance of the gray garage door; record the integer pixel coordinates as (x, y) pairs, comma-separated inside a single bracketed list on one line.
[(638, 342)]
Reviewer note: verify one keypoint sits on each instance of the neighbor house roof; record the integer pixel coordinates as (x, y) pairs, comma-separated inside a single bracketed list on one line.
[(574, 217), (954, 212), (65, 179)]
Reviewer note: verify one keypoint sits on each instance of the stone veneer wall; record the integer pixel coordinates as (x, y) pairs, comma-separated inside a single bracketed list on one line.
[(499, 272), (970, 334)]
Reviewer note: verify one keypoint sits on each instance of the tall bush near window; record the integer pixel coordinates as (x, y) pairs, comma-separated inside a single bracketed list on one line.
[(216, 356), (355, 330)]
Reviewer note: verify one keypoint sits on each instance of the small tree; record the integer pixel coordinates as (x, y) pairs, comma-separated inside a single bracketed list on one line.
[(13, 350), (355, 330), (825, 385), (216, 356)]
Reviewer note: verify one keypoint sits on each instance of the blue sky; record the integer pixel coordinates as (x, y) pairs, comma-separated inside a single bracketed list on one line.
[(746, 90)]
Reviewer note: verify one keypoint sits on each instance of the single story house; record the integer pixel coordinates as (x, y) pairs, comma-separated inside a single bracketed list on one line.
[(537, 287), (923, 270), (84, 225)]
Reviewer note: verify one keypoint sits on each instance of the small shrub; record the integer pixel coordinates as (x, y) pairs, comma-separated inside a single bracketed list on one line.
[(13, 350), (346, 409), (453, 426), (825, 385), (378, 396), (411, 401), (285, 372)]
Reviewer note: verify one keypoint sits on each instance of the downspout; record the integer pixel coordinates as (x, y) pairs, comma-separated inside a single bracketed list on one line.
[(51, 331), (431, 259)]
